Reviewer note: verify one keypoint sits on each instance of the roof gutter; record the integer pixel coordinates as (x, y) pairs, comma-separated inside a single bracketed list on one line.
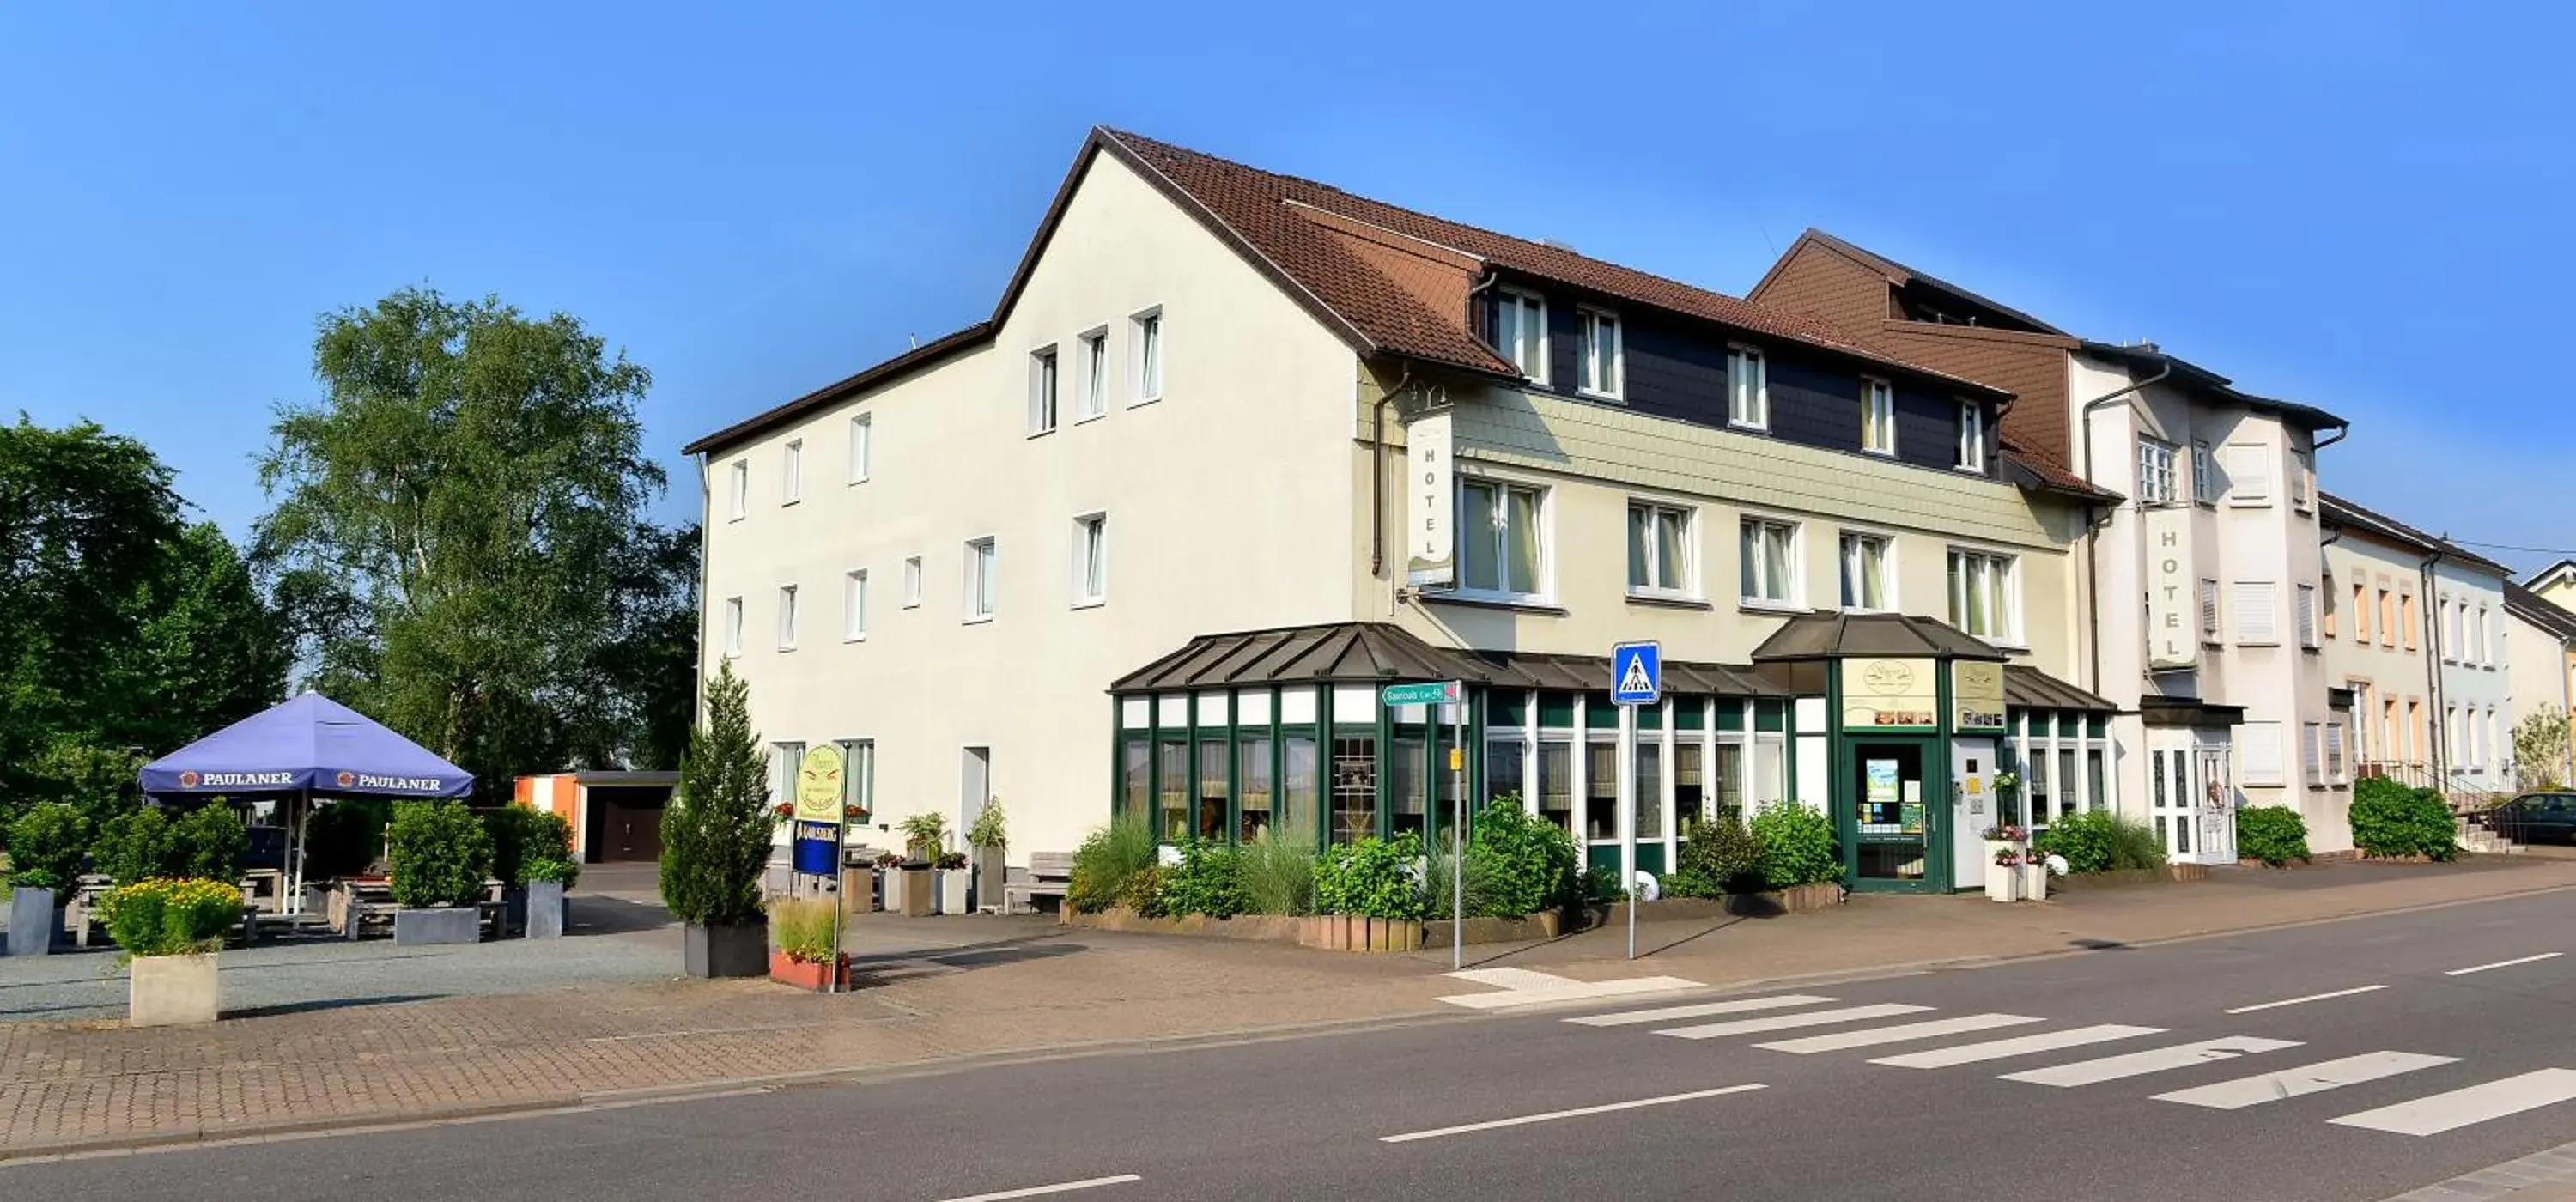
[(2093, 538)]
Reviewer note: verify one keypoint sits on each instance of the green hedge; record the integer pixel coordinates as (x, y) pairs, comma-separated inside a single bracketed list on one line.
[(1208, 880), (47, 846), (1372, 877), (2101, 841), (2390, 819), (2275, 835), (441, 854), (1798, 846), (1718, 857), (1524, 863)]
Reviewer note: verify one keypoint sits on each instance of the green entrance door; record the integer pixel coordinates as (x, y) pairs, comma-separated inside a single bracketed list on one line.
[(1888, 814)]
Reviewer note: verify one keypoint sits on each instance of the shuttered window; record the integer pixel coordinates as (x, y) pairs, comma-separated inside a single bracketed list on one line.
[(2209, 611), (2258, 749), (2312, 753), (2307, 616), (2249, 474), (2334, 754), (2257, 613)]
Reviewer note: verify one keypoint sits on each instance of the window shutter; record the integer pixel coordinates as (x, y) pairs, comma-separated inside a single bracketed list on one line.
[(2307, 616), (2209, 609), (2249, 475), (2312, 753), (2257, 622), (2334, 753), (2259, 752)]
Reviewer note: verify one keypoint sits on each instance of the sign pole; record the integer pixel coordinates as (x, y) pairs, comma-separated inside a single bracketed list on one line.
[(1628, 816), (1458, 834)]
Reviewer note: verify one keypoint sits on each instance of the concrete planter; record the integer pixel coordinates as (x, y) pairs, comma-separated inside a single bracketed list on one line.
[(2169, 874), (165, 991), (1700, 909), (514, 911), (890, 890), (990, 878), (1360, 933), (726, 951), (33, 922), (548, 912), (952, 889), (2003, 882), (1528, 928), (815, 977), (920, 890), (2034, 882), (437, 925)]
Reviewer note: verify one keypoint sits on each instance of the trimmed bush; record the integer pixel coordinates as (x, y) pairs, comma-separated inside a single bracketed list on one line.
[(1106, 859), (1143, 891), (1371, 877), (47, 846), (1525, 864), (164, 917), (2390, 819), (441, 854), (1718, 857), (803, 929), (210, 844), (1208, 880), (136, 846), (2275, 835), (549, 855), (2084, 840), (1798, 846), (1278, 869)]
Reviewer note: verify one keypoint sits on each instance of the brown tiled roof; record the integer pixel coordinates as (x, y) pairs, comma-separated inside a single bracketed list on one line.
[(2046, 474), (2341, 511)]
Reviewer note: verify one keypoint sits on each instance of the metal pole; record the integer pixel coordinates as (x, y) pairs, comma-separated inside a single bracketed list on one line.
[(1628, 817), (1458, 833)]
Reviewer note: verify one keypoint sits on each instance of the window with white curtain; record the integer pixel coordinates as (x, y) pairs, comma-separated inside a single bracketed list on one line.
[(979, 579), (1145, 360), (1502, 544), (2204, 475), (1520, 331), (1748, 388), (1600, 368), (787, 617), (912, 582), (1091, 559), (1972, 437), (1865, 582), (1095, 375), (1659, 550), (1042, 391), (732, 627), (738, 492), (1985, 595), (791, 473), (2155, 471), (854, 605), (1877, 417), (861, 428), (1768, 556)]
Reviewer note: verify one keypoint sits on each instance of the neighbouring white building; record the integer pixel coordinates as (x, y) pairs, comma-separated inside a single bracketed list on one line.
[(2541, 672), (2376, 643)]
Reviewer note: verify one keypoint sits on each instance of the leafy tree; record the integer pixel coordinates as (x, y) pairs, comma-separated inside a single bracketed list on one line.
[(458, 541), (716, 831), (2540, 747)]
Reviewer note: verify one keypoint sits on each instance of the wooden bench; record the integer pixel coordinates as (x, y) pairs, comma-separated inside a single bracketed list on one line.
[(357, 905), (1049, 874)]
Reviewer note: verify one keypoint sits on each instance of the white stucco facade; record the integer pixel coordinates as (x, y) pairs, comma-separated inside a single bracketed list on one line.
[(2375, 646), (2470, 630)]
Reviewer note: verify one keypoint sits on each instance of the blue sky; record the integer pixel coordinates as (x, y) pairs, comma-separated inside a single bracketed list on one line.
[(2354, 205)]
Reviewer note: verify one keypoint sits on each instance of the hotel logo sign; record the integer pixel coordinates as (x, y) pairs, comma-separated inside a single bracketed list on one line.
[(1431, 534), (2173, 639), (1890, 693)]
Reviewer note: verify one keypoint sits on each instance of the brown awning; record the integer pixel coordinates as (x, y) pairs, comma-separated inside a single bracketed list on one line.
[(2032, 689), (1847, 636), (1379, 652)]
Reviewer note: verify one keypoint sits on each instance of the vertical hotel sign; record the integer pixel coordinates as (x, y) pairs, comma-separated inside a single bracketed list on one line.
[(1431, 530), (2173, 634)]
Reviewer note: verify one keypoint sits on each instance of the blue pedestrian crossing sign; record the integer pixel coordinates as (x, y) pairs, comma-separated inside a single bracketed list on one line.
[(1637, 673)]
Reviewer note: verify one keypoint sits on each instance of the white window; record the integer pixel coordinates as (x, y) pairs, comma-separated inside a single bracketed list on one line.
[(2307, 617), (732, 627), (2155, 471), (1877, 417), (2204, 475), (2312, 753), (791, 473), (912, 582), (1865, 585), (2335, 774), (2209, 611), (1520, 331), (861, 428), (1502, 542), (784, 759), (787, 617), (1042, 391), (2258, 621), (1145, 357), (2450, 630), (854, 605), (738, 493), (1767, 553), (1748, 388), (979, 580), (1985, 595), (2486, 650), (1659, 550), (1600, 369), (1972, 437), (2303, 482), (2258, 751), (1095, 375), (1091, 559), (2249, 474)]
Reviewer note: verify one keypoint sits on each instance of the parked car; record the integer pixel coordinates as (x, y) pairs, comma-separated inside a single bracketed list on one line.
[(2537, 818)]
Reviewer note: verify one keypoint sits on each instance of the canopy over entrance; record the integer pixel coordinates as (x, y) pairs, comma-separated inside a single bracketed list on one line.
[(308, 744)]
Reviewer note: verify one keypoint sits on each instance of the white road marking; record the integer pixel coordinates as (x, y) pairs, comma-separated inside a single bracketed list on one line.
[(2315, 1078), (1577, 1112), (2462, 972), (2313, 997), (2046, 1041), (1897, 1034), (2476, 1104), (2139, 1064), (1625, 1018), (1570, 991), (1041, 1190), (1513, 978), (1782, 1022)]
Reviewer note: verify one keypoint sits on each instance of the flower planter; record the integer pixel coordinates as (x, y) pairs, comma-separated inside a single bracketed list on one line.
[(724, 950), (804, 975), (990, 878), (437, 925), (920, 890), (33, 921), (952, 890), (514, 911), (548, 912), (890, 890), (2034, 882), (164, 991)]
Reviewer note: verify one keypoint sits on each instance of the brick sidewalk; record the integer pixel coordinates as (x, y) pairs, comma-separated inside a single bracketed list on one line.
[(74, 1085)]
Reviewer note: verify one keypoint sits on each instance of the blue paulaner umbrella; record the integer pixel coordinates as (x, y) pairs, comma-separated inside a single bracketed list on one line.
[(301, 748)]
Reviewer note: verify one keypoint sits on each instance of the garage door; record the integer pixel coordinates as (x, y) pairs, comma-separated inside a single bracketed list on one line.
[(629, 825)]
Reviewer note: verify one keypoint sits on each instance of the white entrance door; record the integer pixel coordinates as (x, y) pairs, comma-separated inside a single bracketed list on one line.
[(1972, 794), (2217, 802), (2170, 798)]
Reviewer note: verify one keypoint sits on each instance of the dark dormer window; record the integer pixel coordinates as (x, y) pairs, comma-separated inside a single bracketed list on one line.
[(1600, 369), (1748, 390), (1972, 437), (1520, 331)]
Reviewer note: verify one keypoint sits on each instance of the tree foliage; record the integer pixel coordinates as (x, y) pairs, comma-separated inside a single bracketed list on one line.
[(458, 539), (2540, 748), (716, 831)]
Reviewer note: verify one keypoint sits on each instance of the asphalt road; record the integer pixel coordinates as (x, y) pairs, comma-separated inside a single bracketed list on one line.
[(1310, 1117)]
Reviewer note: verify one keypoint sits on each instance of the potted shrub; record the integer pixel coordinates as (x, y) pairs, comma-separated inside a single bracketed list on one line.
[(47, 846), (171, 931), (990, 838), (953, 881), (924, 837), (441, 855), (716, 839), (547, 870), (802, 951), (889, 868), (2004, 847)]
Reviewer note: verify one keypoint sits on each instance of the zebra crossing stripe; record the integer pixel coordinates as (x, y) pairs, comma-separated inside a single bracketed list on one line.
[(1625, 1018), (2465, 1107), (1782, 1022), (2046, 1041), (2315, 1078), (1845, 1040), (2139, 1064)]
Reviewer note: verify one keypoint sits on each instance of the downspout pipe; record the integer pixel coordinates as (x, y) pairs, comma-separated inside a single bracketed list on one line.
[(2093, 539), (1377, 472), (2426, 587)]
